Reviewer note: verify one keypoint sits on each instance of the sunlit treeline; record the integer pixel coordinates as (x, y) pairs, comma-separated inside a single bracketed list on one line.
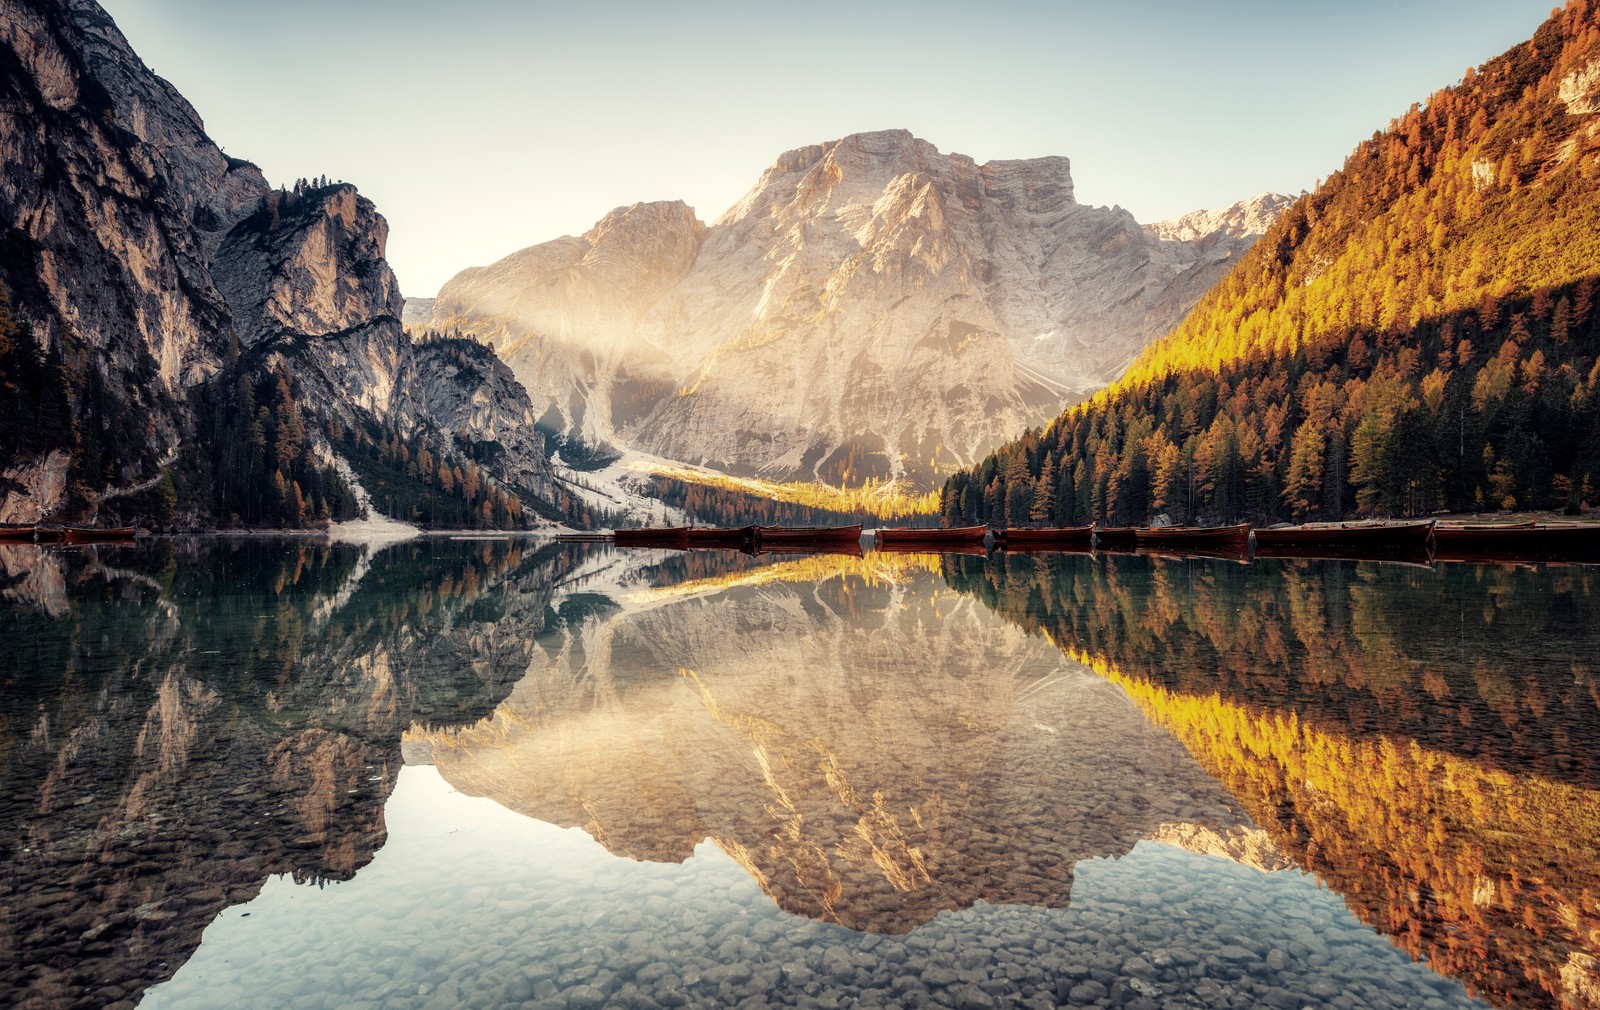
[(719, 500), (1419, 333)]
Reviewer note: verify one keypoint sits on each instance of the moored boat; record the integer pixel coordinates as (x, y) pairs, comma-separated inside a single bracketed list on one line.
[(1192, 536), (766, 536), (1565, 541), (10, 534), (734, 537), (1117, 538), (668, 536), (91, 534), (932, 535), (1044, 536), (1366, 536)]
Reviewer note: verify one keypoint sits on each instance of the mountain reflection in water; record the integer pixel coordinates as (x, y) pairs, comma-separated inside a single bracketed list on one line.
[(871, 741), (871, 749)]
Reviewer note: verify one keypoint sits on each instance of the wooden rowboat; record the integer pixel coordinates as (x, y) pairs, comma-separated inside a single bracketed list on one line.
[(932, 535), (669, 536), (767, 536), (91, 534), (1368, 536), (1044, 536), (16, 534), (1192, 536), (1571, 541), (733, 538), (1116, 537)]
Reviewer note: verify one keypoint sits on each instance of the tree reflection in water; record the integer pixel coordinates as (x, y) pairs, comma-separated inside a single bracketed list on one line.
[(1426, 741)]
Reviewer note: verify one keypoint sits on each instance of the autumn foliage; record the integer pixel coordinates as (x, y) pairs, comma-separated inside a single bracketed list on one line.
[(1419, 333)]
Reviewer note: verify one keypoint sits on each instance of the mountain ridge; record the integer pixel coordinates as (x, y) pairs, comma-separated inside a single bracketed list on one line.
[(909, 303)]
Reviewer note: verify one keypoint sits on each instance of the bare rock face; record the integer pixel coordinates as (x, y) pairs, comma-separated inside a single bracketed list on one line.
[(871, 308), (1242, 220), (150, 262)]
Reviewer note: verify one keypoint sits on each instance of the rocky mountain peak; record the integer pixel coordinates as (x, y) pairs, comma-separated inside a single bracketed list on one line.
[(871, 308), (1249, 217)]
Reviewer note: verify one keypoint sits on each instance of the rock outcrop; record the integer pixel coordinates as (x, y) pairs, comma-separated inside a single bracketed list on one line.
[(150, 263), (871, 308)]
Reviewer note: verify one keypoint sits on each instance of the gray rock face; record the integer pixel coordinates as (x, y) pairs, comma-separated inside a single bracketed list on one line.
[(871, 308), (149, 258)]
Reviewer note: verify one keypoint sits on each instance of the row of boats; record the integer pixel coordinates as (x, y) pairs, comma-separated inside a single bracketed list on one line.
[(23, 534), (1572, 541)]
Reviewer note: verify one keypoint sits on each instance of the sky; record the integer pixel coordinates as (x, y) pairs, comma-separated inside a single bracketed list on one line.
[(479, 128)]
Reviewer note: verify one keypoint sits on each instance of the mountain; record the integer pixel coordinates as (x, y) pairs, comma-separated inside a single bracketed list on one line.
[(872, 308), (156, 294), (1418, 334)]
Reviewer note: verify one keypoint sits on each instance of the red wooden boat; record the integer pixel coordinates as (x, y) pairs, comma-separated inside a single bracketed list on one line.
[(1569, 541), (1044, 536), (770, 536), (669, 536), (1367, 536), (932, 535), (733, 538), (1116, 537), (16, 534), (1193, 536), (91, 534)]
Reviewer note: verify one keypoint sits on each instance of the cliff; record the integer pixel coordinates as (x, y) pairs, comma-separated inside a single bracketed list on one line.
[(149, 277)]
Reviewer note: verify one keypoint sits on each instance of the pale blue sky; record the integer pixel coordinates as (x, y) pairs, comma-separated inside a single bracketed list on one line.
[(480, 128)]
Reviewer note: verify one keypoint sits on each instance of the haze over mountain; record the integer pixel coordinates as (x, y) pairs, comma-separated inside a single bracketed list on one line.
[(871, 308), (161, 294)]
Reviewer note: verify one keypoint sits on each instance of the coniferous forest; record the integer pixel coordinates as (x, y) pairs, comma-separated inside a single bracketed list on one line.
[(1418, 334)]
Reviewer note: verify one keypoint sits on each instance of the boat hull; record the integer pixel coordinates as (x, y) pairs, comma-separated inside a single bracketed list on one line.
[(1552, 543), (674, 537), (86, 535), (1184, 536), (766, 536), (736, 538), (1074, 536), (1116, 538), (932, 537)]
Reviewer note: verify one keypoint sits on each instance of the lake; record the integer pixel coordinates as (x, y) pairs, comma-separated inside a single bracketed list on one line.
[(511, 773)]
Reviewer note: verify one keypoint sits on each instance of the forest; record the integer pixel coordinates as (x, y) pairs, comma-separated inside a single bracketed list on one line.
[(1416, 335)]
